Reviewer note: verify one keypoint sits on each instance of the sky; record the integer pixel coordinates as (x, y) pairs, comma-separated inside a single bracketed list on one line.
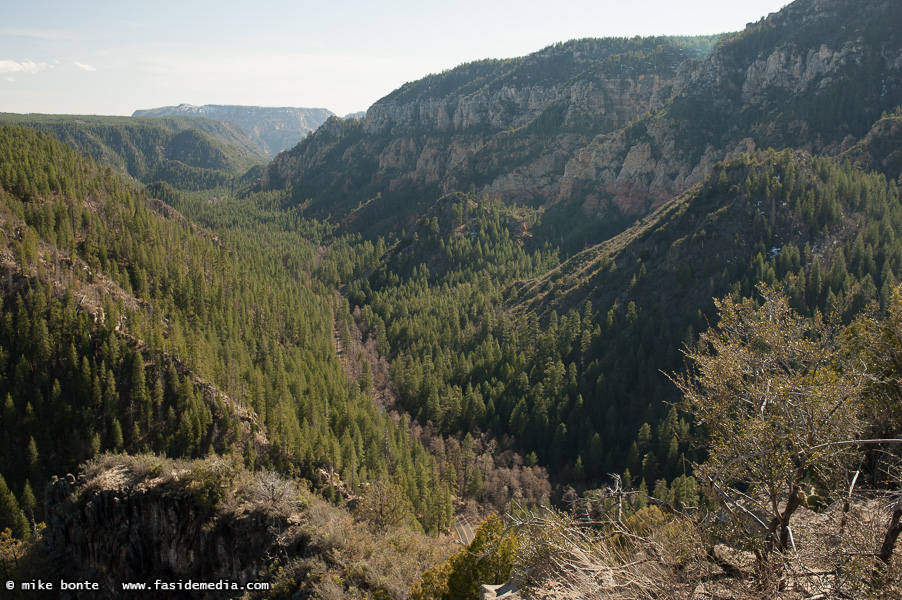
[(114, 57)]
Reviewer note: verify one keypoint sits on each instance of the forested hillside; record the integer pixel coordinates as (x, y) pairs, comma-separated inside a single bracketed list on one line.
[(125, 328), (484, 335), (461, 293), (187, 152)]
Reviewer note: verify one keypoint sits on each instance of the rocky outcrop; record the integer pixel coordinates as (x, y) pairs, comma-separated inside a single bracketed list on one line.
[(808, 77), (119, 525), (609, 103)]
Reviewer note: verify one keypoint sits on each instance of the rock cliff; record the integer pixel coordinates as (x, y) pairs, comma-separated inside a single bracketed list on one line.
[(162, 523), (807, 77), (134, 520), (608, 127), (501, 127)]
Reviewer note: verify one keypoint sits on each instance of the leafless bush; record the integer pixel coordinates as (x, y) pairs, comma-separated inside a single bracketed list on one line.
[(348, 559), (648, 556), (275, 494)]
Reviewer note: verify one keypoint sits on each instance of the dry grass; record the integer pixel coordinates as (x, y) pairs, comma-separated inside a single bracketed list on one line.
[(349, 559), (656, 555)]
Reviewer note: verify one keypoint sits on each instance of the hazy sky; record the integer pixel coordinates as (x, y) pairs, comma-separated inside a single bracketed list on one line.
[(97, 57)]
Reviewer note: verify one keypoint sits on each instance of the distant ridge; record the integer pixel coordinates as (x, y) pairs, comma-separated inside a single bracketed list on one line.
[(186, 152), (597, 133), (274, 129)]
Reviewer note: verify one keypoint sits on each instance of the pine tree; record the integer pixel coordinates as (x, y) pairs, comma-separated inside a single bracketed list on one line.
[(29, 503), (11, 515)]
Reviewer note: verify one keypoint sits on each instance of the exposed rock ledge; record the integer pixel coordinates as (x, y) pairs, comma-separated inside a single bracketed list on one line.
[(506, 591), (125, 523)]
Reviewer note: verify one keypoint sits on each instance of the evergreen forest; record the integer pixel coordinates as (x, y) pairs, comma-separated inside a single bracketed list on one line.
[(639, 339)]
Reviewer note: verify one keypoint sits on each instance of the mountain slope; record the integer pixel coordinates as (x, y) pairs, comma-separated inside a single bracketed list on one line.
[(484, 125), (822, 229), (881, 149), (128, 328), (595, 133), (273, 129), (185, 152), (484, 334), (816, 75), (462, 295)]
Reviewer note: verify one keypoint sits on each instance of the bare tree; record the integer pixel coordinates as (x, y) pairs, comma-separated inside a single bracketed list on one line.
[(781, 404)]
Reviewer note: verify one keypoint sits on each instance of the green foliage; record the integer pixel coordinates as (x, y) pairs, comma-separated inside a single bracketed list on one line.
[(22, 560), (384, 506), (209, 481), (462, 363), (489, 558), (779, 403), (189, 153), (821, 228), (11, 515), (218, 327)]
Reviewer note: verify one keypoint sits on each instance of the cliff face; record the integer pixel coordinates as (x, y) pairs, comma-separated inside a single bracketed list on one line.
[(526, 166), (814, 76), (474, 139), (118, 525), (610, 125), (161, 522), (501, 127), (610, 103)]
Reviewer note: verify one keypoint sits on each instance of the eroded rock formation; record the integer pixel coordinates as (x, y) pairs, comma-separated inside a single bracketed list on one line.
[(119, 525)]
